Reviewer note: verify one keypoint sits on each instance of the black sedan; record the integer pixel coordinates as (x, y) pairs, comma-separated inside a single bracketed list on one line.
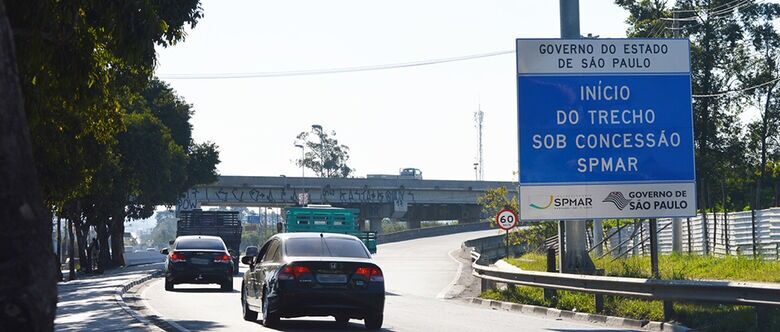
[(313, 274), (198, 259)]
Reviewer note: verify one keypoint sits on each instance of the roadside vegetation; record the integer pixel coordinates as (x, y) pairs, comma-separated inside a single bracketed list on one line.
[(706, 317)]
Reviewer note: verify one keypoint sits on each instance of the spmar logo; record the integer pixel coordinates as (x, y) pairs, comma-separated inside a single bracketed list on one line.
[(618, 199), (542, 207)]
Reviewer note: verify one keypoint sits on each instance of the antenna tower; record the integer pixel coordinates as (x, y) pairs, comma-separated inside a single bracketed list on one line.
[(478, 117)]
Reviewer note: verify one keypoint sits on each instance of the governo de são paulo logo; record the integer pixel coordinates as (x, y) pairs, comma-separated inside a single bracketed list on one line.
[(542, 206), (618, 199)]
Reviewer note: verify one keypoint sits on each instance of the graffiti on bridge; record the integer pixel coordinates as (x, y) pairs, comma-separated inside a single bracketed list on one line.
[(226, 195)]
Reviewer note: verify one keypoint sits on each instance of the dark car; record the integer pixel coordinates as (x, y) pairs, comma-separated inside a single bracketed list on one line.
[(313, 274), (251, 251), (198, 259)]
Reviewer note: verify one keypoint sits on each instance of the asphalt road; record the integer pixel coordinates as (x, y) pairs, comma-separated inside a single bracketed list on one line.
[(419, 275)]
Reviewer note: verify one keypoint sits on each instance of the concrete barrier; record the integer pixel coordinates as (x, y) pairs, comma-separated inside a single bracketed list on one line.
[(492, 248), (143, 257), (431, 231)]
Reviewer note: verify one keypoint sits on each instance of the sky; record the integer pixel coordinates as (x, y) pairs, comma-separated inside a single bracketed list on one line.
[(420, 117)]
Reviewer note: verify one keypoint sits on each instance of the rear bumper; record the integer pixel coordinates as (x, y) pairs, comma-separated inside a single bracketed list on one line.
[(195, 275), (329, 302)]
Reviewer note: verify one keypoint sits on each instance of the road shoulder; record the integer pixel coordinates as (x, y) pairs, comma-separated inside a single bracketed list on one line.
[(94, 303)]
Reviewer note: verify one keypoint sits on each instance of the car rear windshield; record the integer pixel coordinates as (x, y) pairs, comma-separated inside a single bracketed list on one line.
[(205, 244), (333, 247)]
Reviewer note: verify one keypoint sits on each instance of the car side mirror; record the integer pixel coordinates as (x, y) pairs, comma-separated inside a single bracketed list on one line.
[(164, 251), (247, 260), (170, 242)]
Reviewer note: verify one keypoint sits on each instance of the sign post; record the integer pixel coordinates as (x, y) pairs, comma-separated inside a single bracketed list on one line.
[(506, 219)]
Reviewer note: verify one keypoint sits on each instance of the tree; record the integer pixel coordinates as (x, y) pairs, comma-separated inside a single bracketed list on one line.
[(250, 239), (716, 56), (763, 41), (29, 299), (78, 59), (164, 231), (149, 165), (325, 156), (497, 199)]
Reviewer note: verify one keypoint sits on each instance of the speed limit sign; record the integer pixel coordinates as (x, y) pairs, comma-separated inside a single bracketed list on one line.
[(506, 219)]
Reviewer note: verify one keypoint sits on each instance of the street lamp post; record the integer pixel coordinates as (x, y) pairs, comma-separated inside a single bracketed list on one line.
[(322, 156), (303, 170)]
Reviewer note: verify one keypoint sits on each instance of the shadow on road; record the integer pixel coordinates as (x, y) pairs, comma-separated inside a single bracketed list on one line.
[(202, 290), (592, 330), (197, 325), (318, 325)]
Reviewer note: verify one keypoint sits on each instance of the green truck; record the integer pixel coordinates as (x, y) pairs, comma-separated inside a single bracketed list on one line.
[(327, 219)]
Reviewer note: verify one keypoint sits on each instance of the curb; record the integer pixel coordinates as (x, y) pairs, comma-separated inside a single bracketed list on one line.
[(121, 290), (610, 321)]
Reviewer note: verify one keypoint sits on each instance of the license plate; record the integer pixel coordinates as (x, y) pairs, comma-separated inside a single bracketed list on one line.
[(200, 261), (332, 278)]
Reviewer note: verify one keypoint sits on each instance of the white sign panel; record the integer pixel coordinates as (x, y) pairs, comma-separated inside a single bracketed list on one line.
[(588, 56), (608, 201)]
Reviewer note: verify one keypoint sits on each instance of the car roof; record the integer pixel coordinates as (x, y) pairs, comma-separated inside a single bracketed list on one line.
[(193, 237), (298, 235)]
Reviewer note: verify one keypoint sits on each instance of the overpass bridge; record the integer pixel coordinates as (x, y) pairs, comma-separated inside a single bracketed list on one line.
[(408, 200)]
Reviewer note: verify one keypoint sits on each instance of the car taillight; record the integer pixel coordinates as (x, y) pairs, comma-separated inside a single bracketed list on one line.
[(222, 258), (292, 272), (370, 273), (177, 257)]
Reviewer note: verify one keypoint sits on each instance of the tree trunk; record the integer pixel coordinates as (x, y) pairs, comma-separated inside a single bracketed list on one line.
[(81, 244), (28, 281), (118, 239), (71, 252), (104, 255)]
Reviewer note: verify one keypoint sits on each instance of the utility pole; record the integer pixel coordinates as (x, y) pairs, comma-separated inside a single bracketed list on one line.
[(576, 257), (478, 118), (676, 222)]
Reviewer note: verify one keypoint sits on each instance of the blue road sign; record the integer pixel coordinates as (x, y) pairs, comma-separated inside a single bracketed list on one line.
[(605, 128), (253, 219)]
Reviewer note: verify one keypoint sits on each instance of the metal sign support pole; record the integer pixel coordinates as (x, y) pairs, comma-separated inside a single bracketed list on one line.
[(577, 258), (506, 237), (654, 248)]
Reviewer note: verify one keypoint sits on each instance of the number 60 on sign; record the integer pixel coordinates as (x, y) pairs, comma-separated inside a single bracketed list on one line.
[(506, 219)]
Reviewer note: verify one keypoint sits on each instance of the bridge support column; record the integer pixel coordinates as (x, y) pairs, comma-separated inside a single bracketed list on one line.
[(413, 224), (375, 225)]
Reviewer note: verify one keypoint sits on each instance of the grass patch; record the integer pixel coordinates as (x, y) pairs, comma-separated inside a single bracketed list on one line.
[(704, 317)]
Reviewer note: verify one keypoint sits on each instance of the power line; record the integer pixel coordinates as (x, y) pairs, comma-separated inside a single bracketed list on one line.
[(331, 70), (716, 8), (727, 92)]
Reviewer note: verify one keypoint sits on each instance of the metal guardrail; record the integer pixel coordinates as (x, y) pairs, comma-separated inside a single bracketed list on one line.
[(725, 292), (417, 233), (760, 295)]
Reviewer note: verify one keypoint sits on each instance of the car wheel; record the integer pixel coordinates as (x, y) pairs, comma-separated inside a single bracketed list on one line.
[(227, 285), (249, 315), (269, 319), (342, 320), (168, 285), (374, 321)]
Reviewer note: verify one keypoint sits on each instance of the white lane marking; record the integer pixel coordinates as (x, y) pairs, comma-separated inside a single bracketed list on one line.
[(447, 289), (157, 313)]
